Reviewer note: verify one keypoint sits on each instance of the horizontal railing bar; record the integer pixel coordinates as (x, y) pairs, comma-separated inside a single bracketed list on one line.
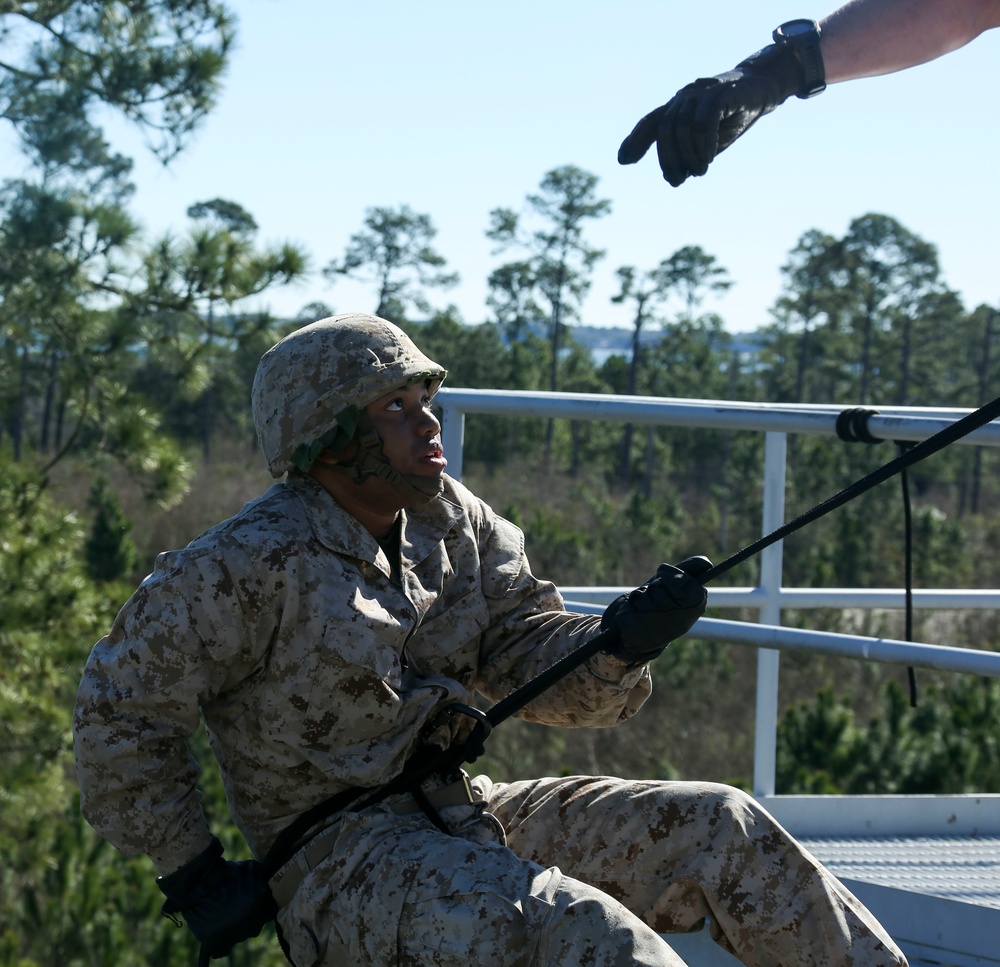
[(814, 597), (896, 423), (885, 650)]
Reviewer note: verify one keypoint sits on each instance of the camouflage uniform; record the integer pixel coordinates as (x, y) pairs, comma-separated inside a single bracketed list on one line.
[(594, 867), (318, 666), (315, 672)]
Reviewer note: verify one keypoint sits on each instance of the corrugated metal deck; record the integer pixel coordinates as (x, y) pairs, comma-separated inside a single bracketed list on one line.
[(960, 868)]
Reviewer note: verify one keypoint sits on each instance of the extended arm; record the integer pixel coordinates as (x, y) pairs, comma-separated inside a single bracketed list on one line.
[(863, 38), (529, 632)]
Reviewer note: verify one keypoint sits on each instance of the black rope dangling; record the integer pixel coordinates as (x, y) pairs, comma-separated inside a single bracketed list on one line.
[(852, 427), (904, 480)]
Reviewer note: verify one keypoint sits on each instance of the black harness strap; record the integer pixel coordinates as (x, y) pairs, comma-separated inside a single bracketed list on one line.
[(426, 762), (292, 836)]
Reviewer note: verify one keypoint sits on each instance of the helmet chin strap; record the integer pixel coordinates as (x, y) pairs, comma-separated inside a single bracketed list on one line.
[(370, 461)]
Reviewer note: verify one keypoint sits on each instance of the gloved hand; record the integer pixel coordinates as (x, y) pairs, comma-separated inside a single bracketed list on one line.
[(644, 621), (223, 902), (707, 116)]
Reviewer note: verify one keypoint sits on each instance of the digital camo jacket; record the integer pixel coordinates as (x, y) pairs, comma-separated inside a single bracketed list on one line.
[(313, 670)]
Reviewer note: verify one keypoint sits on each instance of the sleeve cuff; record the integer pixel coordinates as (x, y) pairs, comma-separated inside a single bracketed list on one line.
[(613, 670), (180, 854)]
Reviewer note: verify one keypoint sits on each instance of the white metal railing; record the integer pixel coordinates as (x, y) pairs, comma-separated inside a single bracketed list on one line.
[(769, 597)]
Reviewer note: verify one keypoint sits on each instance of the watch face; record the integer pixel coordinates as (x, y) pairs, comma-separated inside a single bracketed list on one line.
[(797, 28)]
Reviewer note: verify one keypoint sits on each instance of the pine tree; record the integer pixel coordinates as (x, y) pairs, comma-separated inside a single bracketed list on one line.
[(109, 552)]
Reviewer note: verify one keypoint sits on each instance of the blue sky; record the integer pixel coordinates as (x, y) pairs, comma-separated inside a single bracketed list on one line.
[(456, 108)]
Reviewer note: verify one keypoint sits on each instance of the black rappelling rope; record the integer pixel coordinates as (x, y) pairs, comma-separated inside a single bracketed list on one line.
[(932, 444)]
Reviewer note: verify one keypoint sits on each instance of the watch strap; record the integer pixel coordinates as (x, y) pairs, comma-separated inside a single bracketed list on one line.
[(804, 37)]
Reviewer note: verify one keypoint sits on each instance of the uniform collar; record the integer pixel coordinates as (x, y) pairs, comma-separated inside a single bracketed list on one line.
[(422, 527)]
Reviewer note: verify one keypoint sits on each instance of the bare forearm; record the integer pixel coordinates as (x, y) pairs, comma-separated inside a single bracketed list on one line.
[(868, 37)]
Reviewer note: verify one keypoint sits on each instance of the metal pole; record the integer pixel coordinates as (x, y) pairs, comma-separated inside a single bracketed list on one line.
[(453, 437), (766, 730)]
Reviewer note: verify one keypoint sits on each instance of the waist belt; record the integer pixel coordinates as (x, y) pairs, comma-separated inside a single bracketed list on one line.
[(286, 881)]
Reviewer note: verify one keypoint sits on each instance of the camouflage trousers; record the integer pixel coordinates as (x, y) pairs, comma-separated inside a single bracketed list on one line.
[(593, 871)]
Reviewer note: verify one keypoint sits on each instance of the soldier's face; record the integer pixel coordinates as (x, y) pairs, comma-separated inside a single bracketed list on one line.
[(409, 430)]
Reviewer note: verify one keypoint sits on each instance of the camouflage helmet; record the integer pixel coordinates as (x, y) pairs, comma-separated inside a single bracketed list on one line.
[(315, 382)]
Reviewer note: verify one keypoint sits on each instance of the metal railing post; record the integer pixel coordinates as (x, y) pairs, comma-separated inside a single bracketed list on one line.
[(453, 437), (766, 728)]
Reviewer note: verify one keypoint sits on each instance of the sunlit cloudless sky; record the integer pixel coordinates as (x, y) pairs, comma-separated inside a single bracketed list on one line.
[(456, 108)]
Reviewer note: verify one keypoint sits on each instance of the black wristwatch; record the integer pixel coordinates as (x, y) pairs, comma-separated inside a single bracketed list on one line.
[(804, 36)]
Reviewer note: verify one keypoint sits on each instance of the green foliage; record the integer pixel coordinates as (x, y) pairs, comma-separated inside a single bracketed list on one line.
[(84, 311), (109, 552), (128, 382), (949, 743), (83, 903), (158, 63), (227, 214), (394, 253), (66, 897), (51, 614), (192, 328), (861, 320), (689, 273), (559, 261)]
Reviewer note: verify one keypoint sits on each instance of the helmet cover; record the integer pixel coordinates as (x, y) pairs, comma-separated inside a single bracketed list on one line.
[(315, 382)]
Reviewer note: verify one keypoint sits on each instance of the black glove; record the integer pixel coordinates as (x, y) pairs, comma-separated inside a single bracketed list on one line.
[(223, 902), (707, 116), (647, 619)]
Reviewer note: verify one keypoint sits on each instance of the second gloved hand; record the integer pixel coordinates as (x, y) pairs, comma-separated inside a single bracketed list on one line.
[(224, 902), (645, 620), (709, 114)]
